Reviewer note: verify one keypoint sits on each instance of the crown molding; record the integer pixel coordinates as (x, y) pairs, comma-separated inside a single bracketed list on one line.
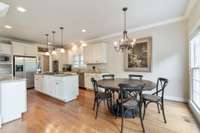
[(190, 7), (166, 22)]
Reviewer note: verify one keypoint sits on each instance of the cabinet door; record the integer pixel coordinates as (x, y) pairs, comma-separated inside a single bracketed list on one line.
[(30, 50), (59, 90), (18, 48), (36, 84), (5, 48)]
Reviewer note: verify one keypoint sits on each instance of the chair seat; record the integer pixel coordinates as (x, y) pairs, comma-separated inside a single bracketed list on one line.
[(152, 98), (130, 104), (103, 95)]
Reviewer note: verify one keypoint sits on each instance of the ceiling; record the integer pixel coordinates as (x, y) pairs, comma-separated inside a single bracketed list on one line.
[(99, 17)]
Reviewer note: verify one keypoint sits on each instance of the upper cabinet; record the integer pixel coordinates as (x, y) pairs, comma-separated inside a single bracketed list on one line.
[(5, 48), (24, 49), (95, 54)]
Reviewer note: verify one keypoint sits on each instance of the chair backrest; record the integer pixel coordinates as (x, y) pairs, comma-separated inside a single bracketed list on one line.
[(109, 76), (133, 76), (160, 86), (95, 86), (129, 89)]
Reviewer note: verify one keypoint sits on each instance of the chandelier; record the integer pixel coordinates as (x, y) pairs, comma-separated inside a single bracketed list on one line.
[(125, 43)]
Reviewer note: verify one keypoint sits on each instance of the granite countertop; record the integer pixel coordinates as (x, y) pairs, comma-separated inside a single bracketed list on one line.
[(10, 79), (58, 74)]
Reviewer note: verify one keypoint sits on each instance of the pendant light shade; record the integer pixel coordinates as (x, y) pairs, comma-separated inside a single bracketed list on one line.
[(62, 50), (47, 39), (53, 40)]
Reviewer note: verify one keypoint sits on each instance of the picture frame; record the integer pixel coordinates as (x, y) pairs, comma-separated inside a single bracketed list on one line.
[(139, 59)]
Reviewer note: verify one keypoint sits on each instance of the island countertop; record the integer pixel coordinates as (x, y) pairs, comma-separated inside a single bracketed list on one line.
[(10, 79), (58, 74)]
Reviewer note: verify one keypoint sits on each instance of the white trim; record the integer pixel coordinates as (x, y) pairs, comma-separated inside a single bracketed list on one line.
[(177, 99), (166, 22), (194, 110), (190, 7)]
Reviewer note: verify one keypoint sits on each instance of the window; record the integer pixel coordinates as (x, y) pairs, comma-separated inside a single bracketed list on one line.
[(195, 69), (78, 61)]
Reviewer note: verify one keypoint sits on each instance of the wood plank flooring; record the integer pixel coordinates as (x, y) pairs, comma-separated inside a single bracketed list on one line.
[(46, 115)]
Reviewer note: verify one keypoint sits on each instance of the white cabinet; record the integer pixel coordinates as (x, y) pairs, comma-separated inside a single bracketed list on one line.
[(88, 76), (95, 54), (38, 80), (5, 48), (13, 100), (62, 87), (24, 49)]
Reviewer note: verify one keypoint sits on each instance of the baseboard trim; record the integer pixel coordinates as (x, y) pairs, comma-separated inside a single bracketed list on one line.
[(177, 99), (194, 110)]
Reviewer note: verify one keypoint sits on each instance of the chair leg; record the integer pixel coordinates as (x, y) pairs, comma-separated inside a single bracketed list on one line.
[(122, 122), (142, 122), (97, 109), (144, 109), (140, 113), (158, 107), (163, 112), (94, 104)]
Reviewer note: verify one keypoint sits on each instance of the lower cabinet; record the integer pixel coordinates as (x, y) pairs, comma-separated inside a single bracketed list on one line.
[(88, 76), (63, 88), (38, 80)]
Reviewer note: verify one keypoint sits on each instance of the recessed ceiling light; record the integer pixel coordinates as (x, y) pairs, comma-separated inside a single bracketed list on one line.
[(8, 27), (21, 9), (83, 30)]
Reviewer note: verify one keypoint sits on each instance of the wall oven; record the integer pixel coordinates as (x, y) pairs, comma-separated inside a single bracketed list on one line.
[(5, 59)]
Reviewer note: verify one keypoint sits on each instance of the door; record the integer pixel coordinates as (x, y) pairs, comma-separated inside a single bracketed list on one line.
[(19, 67), (195, 70), (30, 69)]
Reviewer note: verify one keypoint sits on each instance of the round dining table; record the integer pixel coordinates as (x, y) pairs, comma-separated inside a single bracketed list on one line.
[(114, 84)]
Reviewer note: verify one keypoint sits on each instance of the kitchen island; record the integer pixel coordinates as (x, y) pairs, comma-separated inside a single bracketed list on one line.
[(63, 87), (13, 98)]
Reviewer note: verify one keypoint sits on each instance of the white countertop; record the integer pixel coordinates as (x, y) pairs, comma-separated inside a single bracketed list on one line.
[(10, 79)]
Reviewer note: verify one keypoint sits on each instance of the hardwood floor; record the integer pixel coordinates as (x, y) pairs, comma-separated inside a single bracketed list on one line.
[(46, 115)]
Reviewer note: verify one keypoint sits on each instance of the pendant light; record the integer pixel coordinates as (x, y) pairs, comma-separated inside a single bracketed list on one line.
[(125, 43), (47, 39), (53, 40), (62, 50)]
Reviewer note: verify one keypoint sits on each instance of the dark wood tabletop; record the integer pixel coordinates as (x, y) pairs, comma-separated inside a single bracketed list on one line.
[(114, 84)]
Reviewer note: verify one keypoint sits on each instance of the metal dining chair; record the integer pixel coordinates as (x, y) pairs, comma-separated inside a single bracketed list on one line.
[(100, 96), (157, 97), (108, 76), (111, 77), (133, 76), (131, 103)]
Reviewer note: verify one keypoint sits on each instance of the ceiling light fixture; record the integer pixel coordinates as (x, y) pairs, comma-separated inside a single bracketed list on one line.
[(83, 44), (47, 39), (8, 27), (62, 50), (125, 43), (83, 30), (21, 9), (53, 40)]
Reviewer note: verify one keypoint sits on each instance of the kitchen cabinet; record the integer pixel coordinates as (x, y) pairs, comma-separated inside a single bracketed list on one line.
[(13, 99), (60, 86), (95, 54), (5, 49), (38, 80), (88, 76), (24, 49)]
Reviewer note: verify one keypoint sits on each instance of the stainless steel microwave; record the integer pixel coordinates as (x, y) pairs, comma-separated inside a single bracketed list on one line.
[(5, 59)]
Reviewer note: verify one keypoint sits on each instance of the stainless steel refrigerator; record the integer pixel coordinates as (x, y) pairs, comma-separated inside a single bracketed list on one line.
[(25, 67)]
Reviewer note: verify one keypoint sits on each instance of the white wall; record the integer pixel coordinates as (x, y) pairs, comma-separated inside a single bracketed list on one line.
[(169, 59), (194, 18)]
